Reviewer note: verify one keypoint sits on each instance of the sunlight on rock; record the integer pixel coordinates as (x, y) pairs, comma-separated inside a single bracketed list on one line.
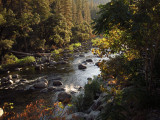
[(70, 88), (1, 112)]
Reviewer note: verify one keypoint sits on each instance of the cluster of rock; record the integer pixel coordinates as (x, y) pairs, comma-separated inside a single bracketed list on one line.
[(90, 114)]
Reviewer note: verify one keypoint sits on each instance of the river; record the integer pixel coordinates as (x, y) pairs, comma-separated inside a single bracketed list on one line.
[(71, 76)]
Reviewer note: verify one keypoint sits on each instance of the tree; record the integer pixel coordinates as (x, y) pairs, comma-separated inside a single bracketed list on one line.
[(132, 26)]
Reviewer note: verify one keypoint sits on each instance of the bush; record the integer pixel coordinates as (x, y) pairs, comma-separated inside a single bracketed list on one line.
[(26, 60), (9, 59), (83, 102)]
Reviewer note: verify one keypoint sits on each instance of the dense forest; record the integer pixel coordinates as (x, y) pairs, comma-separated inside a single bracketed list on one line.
[(124, 38), (29, 26)]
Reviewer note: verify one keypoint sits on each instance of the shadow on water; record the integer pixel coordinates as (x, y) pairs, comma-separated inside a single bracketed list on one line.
[(70, 74)]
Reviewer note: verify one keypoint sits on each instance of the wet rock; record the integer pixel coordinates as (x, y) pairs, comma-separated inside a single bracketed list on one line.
[(38, 67), (51, 88), (81, 67), (97, 64), (52, 62), (18, 69), (89, 60), (4, 80), (15, 76), (57, 83), (10, 82), (81, 55), (9, 77), (40, 85), (23, 80), (42, 80), (64, 97), (45, 90), (93, 115), (77, 116), (63, 62), (1, 112), (59, 89)]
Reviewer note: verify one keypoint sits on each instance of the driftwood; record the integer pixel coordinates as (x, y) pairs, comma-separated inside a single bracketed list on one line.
[(23, 54)]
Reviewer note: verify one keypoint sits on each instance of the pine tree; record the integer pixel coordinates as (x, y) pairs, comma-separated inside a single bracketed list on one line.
[(74, 12), (87, 15), (79, 11)]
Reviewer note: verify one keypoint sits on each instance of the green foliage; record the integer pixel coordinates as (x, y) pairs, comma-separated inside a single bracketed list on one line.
[(26, 60), (10, 59), (58, 51), (83, 102), (81, 32)]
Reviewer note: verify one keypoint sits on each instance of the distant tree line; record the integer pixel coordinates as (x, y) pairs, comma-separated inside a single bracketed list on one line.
[(30, 25)]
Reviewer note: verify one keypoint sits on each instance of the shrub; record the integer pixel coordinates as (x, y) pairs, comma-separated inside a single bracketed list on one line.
[(10, 59), (26, 60), (84, 101)]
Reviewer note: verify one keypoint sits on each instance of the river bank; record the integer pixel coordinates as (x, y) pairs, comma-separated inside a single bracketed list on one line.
[(71, 77)]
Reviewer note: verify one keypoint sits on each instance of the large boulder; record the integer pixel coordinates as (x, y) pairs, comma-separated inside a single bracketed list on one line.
[(64, 97), (41, 85), (57, 83), (81, 66)]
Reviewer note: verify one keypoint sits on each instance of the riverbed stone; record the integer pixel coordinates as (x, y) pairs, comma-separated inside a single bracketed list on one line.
[(38, 67), (1, 112), (45, 90), (57, 83), (81, 55), (9, 77), (40, 85), (82, 66), (64, 97), (18, 69), (89, 60), (51, 88), (59, 89), (77, 116), (93, 115), (15, 76), (4, 80)]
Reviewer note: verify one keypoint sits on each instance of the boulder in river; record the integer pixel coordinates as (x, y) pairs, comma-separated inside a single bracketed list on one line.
[(64, 97), (81, 55), (51, 88), (89, 60), (15, 76), (40, 85), (81, 66), (57, 83)]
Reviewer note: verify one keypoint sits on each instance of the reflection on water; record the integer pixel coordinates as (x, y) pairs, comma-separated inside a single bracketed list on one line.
[(72, 78)]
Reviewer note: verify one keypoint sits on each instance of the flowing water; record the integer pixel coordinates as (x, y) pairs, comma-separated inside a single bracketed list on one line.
[(71, 76)]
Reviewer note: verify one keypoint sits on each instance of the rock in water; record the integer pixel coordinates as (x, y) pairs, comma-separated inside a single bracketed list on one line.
[(89, 60), (57, 83), (40, 85), (64, 97), (81, 67)]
